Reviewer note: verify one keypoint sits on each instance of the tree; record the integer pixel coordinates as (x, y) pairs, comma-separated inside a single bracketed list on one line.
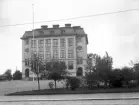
[(56, 70), (8, 74), (136, 68), (127, 74), (116, 78), (17, 75), (91, 61), (73, 82), (37, 66), (103, 67)]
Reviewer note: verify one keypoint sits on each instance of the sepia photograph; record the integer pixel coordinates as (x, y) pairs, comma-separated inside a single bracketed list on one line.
[(69, 52)]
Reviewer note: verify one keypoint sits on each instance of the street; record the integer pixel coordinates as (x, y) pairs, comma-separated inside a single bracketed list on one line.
[(87, 102), (86, 99)]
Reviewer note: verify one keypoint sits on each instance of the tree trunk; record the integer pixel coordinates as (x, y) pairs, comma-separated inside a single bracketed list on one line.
[(38, 82), (55, 84)]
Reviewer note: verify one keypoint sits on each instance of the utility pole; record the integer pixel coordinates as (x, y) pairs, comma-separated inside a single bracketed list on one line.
[(33, 33)]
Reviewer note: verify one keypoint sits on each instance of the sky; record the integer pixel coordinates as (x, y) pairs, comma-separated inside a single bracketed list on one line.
[(115, 33)]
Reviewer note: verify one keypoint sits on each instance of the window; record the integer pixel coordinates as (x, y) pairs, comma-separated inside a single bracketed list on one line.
[(41, 49), (55, 54), (55, 42), (63, 31), (48, 49), (70, 42), (48, 42), (48, 55), (70, 54), (26, 42), (26, 62), (33, 43), (70, 65), (62, 42), (63, 54), (79, 48), (52, 31), (41, 43), (41, 55), (79, 60), (33, 53)]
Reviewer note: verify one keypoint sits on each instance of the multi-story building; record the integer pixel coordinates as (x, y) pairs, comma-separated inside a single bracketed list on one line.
[(67, 43)]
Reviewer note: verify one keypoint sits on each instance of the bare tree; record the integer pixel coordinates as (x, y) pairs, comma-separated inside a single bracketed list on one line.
[(37, 67)]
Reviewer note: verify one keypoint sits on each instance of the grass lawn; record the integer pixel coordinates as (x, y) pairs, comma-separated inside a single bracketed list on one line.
[(20, 85), (77, 91)]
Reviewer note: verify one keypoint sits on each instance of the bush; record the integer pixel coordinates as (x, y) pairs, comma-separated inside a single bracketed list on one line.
[(73, 82), (83, 82), (116, 83), (93, 80), (132, 84), (51, 85), (17, 75)]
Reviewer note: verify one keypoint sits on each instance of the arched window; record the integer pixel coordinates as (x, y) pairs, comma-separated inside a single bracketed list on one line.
[(27, 73), (79, 72)]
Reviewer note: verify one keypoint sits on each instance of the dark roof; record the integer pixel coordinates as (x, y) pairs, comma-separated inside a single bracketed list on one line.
[(57, 32)]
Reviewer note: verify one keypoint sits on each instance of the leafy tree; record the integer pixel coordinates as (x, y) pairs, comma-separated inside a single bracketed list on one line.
[(37, 67), (73, 82), (103, 67), (17, 75), (127, 74), (136, 68), (116, 78), (56, 70), (8, 74)]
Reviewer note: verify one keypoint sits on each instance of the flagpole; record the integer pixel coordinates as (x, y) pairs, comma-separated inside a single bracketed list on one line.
[(33, 32)]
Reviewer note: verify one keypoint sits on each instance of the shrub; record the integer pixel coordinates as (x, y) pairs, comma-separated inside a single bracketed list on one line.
[(73, 82), (92, 80), (116, 83), (51, 85), (17, 75), (83, 82), (132, 84)]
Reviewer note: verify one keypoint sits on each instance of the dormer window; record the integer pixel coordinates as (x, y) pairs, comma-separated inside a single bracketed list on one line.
[(63, 31), (41, 32), (52, 32)]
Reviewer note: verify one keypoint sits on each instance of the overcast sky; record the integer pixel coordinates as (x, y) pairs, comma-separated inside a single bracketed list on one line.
[(115, 33)]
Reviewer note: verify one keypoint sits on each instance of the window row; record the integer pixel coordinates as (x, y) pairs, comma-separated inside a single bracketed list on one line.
[(55, 42), (53, 32), (55, 53)]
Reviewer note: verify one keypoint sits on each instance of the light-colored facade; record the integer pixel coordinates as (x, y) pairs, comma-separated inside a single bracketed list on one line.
[(68, 44)]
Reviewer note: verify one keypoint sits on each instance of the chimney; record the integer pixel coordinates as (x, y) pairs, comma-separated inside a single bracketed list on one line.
[(67, 25), (44, 27), (56, 26)]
